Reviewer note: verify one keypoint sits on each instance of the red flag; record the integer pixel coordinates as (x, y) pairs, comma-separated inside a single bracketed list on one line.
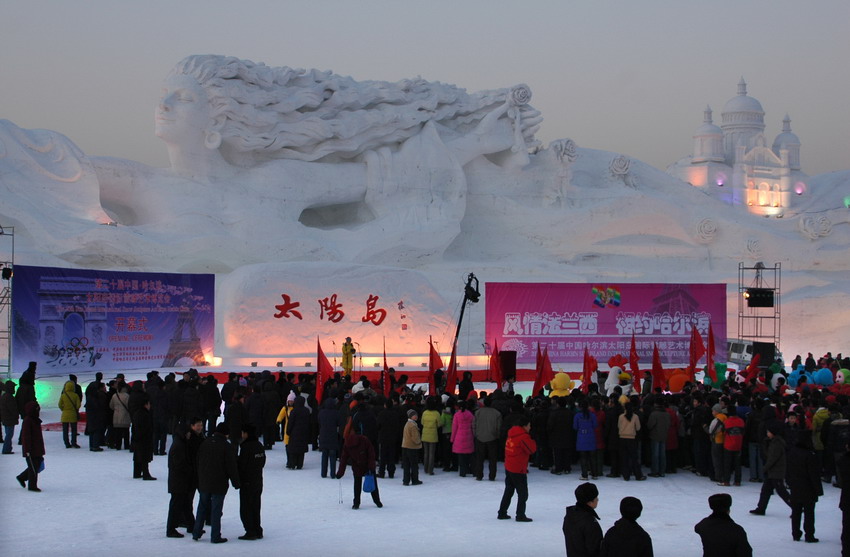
[(658, 378), (496, 366), (451, 372), (434, 363), (385, 374), (586, 371), (544, 373), (324, 371), (697, 350), (709, 360), (752, 370), (633, 364)]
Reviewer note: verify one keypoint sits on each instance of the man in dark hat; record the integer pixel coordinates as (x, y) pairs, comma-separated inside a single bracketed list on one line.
[(251, 460), (721, 536), (582, 532), (626, 538)]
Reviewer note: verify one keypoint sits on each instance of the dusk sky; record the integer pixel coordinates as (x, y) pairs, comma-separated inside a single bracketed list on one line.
[(629, 77)]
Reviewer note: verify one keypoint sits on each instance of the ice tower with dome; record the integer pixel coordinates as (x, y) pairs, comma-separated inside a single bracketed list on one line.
[(733, 162)]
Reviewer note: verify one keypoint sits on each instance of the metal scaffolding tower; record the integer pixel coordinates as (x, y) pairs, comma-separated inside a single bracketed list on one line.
[(759, 296), (7, 265)]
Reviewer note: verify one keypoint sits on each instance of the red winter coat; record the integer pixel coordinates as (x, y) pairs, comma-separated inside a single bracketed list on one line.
[(359, 453), (519, 447), (734, 428)]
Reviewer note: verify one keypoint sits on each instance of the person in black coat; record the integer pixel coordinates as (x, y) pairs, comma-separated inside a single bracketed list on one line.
[(252, 459), (842, 468), (720, 535), (216, 467), (389, 435), (804, 484), (582, 533), (26, 389), (182, 479), (32, 446), (271, 408), (561, 436), (235, 417), (97, 406), (364, 421), (298, 429), (330, 427), (142, 443), (626, 538)]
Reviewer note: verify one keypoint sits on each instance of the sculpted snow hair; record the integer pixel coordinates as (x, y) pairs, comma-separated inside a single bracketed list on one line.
[(264, 113)]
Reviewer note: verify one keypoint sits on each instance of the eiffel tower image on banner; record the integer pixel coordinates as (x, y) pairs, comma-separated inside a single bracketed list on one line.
[(180, 347)]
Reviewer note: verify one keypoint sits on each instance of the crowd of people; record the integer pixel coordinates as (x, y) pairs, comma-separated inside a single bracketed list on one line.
[(792, 442)]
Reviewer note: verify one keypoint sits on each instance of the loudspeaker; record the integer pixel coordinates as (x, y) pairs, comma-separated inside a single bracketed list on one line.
[(507, 361), (759, 297), (766, 351)]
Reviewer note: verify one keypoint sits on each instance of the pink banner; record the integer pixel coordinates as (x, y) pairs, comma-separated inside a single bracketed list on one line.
[(568, 317)]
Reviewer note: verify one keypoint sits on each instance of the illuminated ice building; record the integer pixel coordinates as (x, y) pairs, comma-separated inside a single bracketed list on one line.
[(734, 163)]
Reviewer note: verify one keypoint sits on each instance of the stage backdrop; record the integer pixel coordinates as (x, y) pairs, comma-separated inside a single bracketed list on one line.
[(602, 316), (74, 319)]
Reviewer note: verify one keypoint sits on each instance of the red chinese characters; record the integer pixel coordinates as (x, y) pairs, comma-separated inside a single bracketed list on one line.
[(286, 307), (373, 314)]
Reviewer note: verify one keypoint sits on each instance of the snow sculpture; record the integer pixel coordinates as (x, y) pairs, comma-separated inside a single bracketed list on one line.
[(815, 227), (706, 230), (620, 170), (326, 151)]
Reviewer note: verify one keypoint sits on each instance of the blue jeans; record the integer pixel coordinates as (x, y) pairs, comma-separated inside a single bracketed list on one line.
[(9, 432), (659, 456), (214, 504), (755, 461)]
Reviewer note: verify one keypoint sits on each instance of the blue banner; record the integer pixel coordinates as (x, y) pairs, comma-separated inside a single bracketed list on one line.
[(77, 319)]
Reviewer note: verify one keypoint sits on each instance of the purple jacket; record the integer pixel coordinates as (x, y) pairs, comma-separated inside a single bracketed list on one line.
[(585, 434), (462, 439)]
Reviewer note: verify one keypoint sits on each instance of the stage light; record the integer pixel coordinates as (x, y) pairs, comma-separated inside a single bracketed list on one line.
[(376, 364), (308, 364), (7, 273), (400, 364), (280, 364), (424, 364), (253, 364), (216, 361)]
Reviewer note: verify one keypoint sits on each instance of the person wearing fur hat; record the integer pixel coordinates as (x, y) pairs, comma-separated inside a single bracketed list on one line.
[(774, 469), (582, 533), (720, 535), (804, 483), (626, 538)]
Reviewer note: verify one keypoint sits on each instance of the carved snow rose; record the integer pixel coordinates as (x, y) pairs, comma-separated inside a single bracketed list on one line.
[(565, 149), (706, 230), (520, 95), (620, 165)]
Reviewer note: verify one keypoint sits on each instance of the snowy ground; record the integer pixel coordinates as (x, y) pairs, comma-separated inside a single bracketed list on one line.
[(90, 505)]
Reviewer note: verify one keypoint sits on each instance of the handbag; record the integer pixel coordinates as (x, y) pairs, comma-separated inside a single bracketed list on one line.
[(369, 483)]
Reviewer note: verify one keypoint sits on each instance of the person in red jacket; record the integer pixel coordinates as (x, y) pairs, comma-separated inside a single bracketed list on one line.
[(518, 448), (32, 445), (733, 441)]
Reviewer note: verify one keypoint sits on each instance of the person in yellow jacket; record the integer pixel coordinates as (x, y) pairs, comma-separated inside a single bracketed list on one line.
[(283, 416), (69, 404), (430, 433), (411, 444), (348, 352)]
